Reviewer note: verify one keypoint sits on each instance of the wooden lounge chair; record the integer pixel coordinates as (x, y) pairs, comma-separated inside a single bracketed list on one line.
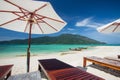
[(58, 70), (5, 71), (103, 62)]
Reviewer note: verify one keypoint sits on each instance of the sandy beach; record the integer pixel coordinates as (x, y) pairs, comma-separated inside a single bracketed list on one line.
[(74, 58)]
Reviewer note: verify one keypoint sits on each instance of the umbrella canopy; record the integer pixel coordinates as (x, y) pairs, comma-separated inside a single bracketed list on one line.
[(18, 12), (110, 27), (33, 17)]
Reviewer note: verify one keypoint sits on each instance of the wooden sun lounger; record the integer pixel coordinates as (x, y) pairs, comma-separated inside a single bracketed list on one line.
[(5, 71), (103, 62), (58, 70)]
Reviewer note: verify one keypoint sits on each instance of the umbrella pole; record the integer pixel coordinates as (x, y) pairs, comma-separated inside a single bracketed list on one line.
[(28, 50)]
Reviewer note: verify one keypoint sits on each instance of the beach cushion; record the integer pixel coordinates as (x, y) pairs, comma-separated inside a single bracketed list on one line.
[(27, 76), (115, 58)]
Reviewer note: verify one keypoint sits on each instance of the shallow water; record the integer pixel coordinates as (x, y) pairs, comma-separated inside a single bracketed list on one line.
[(16, 50)]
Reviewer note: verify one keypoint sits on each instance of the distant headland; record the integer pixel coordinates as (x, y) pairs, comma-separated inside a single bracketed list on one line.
[(61, 39)]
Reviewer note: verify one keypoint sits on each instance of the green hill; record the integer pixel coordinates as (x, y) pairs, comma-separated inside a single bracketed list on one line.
[(61, 39)]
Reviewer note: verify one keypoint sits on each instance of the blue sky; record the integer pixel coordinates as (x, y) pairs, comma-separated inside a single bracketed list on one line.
[(82, 17)]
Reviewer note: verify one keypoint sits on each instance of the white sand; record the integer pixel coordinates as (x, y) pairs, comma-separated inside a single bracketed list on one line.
[(74, 58)]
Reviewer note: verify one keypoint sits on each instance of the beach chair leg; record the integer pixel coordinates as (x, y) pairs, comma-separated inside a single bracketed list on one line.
[(39, 68), (9, 74), (84, 62), (93, 63)]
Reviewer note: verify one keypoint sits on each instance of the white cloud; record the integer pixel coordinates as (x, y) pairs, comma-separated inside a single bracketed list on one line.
[(70, 29), (83, 22), (88, 22)]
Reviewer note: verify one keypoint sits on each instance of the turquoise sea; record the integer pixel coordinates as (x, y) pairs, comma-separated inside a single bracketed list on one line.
[(16, 50)]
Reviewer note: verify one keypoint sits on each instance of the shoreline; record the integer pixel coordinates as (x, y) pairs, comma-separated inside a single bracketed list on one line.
[(17, 54), (74, 58)]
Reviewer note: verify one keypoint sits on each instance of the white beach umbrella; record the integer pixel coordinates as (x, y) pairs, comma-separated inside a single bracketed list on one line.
[(32, 17), (113, 27), (110, 27)]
